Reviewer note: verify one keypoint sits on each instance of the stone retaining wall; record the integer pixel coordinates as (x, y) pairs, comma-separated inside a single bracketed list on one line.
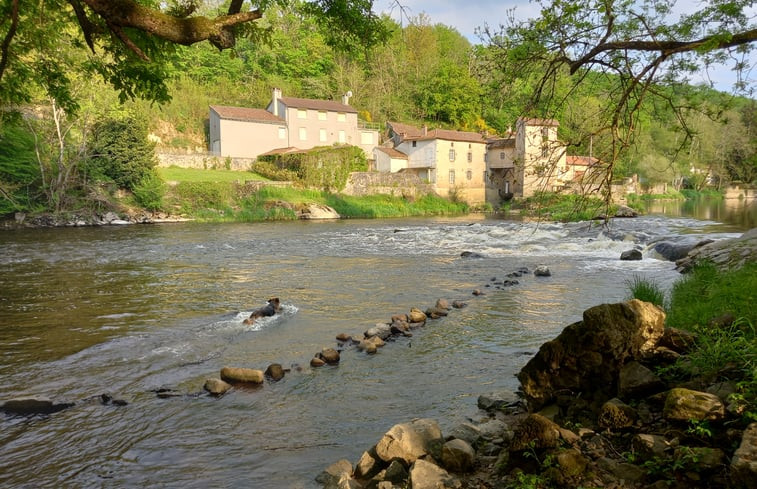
[(204, 161), (399, 184), (741, 191)]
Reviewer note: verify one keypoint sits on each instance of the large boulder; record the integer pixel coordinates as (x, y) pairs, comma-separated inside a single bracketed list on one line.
[(744, 461), (317, 211), (425, 475), (586, 358), (410, 441), (687, 405), (725, 254)]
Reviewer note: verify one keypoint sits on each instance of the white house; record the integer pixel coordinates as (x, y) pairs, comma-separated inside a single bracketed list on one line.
[(287, 122)]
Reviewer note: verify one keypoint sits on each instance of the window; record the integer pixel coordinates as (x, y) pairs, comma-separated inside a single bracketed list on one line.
[(452, 154), (342, 137), (303, 134), (282, 133), (322, 115), (341, 116), (470, 156), (545, 142), (302, 113), (502, 155), (415, 143), (322, 135), (452, 177), (366, 137), (469, 175), (486, 175)]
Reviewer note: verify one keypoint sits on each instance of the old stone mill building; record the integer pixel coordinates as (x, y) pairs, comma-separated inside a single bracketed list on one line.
[(472, 166)]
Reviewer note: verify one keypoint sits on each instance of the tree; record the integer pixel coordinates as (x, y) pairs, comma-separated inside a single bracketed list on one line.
[(638, 47), (129, 41)]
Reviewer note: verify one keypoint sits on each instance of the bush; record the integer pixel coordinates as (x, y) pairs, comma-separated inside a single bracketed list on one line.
[(120, 151), (150, 191), (19, 171)]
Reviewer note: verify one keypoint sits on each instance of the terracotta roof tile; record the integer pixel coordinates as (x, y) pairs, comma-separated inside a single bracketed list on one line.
[(307, 103), (245, 114), (392, 152)]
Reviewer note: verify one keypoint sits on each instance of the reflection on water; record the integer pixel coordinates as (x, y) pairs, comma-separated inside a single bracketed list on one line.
[(133, 309), (735, 214)]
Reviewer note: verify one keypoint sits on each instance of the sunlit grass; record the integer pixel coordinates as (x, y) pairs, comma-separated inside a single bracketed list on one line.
[(176, 174)]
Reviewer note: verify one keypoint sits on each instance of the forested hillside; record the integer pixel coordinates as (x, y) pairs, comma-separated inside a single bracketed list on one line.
[(429, 73), (56, 145)]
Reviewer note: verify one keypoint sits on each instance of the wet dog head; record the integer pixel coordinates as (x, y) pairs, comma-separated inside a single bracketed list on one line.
[(274, 301)]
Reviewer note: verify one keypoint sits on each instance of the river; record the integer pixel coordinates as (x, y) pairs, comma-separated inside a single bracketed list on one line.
[(133, 309)]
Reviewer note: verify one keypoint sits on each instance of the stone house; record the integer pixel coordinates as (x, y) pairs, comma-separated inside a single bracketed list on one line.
[(452, 162), (475, 168), (287, 122)]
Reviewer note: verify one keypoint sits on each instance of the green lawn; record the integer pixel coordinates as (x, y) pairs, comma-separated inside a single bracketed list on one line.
[(176, 174)]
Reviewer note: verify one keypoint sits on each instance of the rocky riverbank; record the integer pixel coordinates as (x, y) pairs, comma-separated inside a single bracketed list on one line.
[(594, 414)]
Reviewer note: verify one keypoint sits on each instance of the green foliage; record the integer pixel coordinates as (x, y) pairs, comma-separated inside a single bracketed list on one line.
[(646, 290), (564, 207), (19, 172), (324, 168), (382, 206), (120, 151), (149, 192), (706, 294)]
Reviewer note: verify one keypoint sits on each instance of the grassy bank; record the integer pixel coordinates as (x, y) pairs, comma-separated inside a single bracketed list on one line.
[(718, 307), (232, 201), (562, 207)]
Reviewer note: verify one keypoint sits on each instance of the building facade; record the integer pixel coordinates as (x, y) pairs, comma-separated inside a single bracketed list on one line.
[(287, 122)]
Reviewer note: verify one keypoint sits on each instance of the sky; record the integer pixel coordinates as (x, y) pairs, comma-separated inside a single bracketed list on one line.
[(468, 15)]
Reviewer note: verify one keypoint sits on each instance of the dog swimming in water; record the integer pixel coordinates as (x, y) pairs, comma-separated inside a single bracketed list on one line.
[(270, 309)]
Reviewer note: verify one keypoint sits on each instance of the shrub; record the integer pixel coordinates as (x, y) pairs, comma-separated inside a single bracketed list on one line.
[(150, 191), (120, 151), (19, 171)]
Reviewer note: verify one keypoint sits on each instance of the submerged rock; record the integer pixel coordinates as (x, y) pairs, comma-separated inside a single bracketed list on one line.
[(630, 255), (30, 406), (216, 387)]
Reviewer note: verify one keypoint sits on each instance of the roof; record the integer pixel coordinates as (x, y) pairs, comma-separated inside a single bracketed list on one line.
[(581, 160), (393, 153), (410, 133), (307, 103), (532, 121), (501, 143), (245, 114)]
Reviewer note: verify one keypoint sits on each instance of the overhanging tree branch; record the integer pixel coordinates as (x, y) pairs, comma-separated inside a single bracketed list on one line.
[(119, 14)]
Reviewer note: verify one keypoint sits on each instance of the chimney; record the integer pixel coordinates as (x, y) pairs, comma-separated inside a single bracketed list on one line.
[(346, 97), (425, 130), (276, 97)]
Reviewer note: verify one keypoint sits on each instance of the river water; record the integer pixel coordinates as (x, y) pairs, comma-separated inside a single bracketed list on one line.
[(130, 310)]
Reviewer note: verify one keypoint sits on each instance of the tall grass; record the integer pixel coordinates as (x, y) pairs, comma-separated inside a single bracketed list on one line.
[(646, 290), (725, 348)]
